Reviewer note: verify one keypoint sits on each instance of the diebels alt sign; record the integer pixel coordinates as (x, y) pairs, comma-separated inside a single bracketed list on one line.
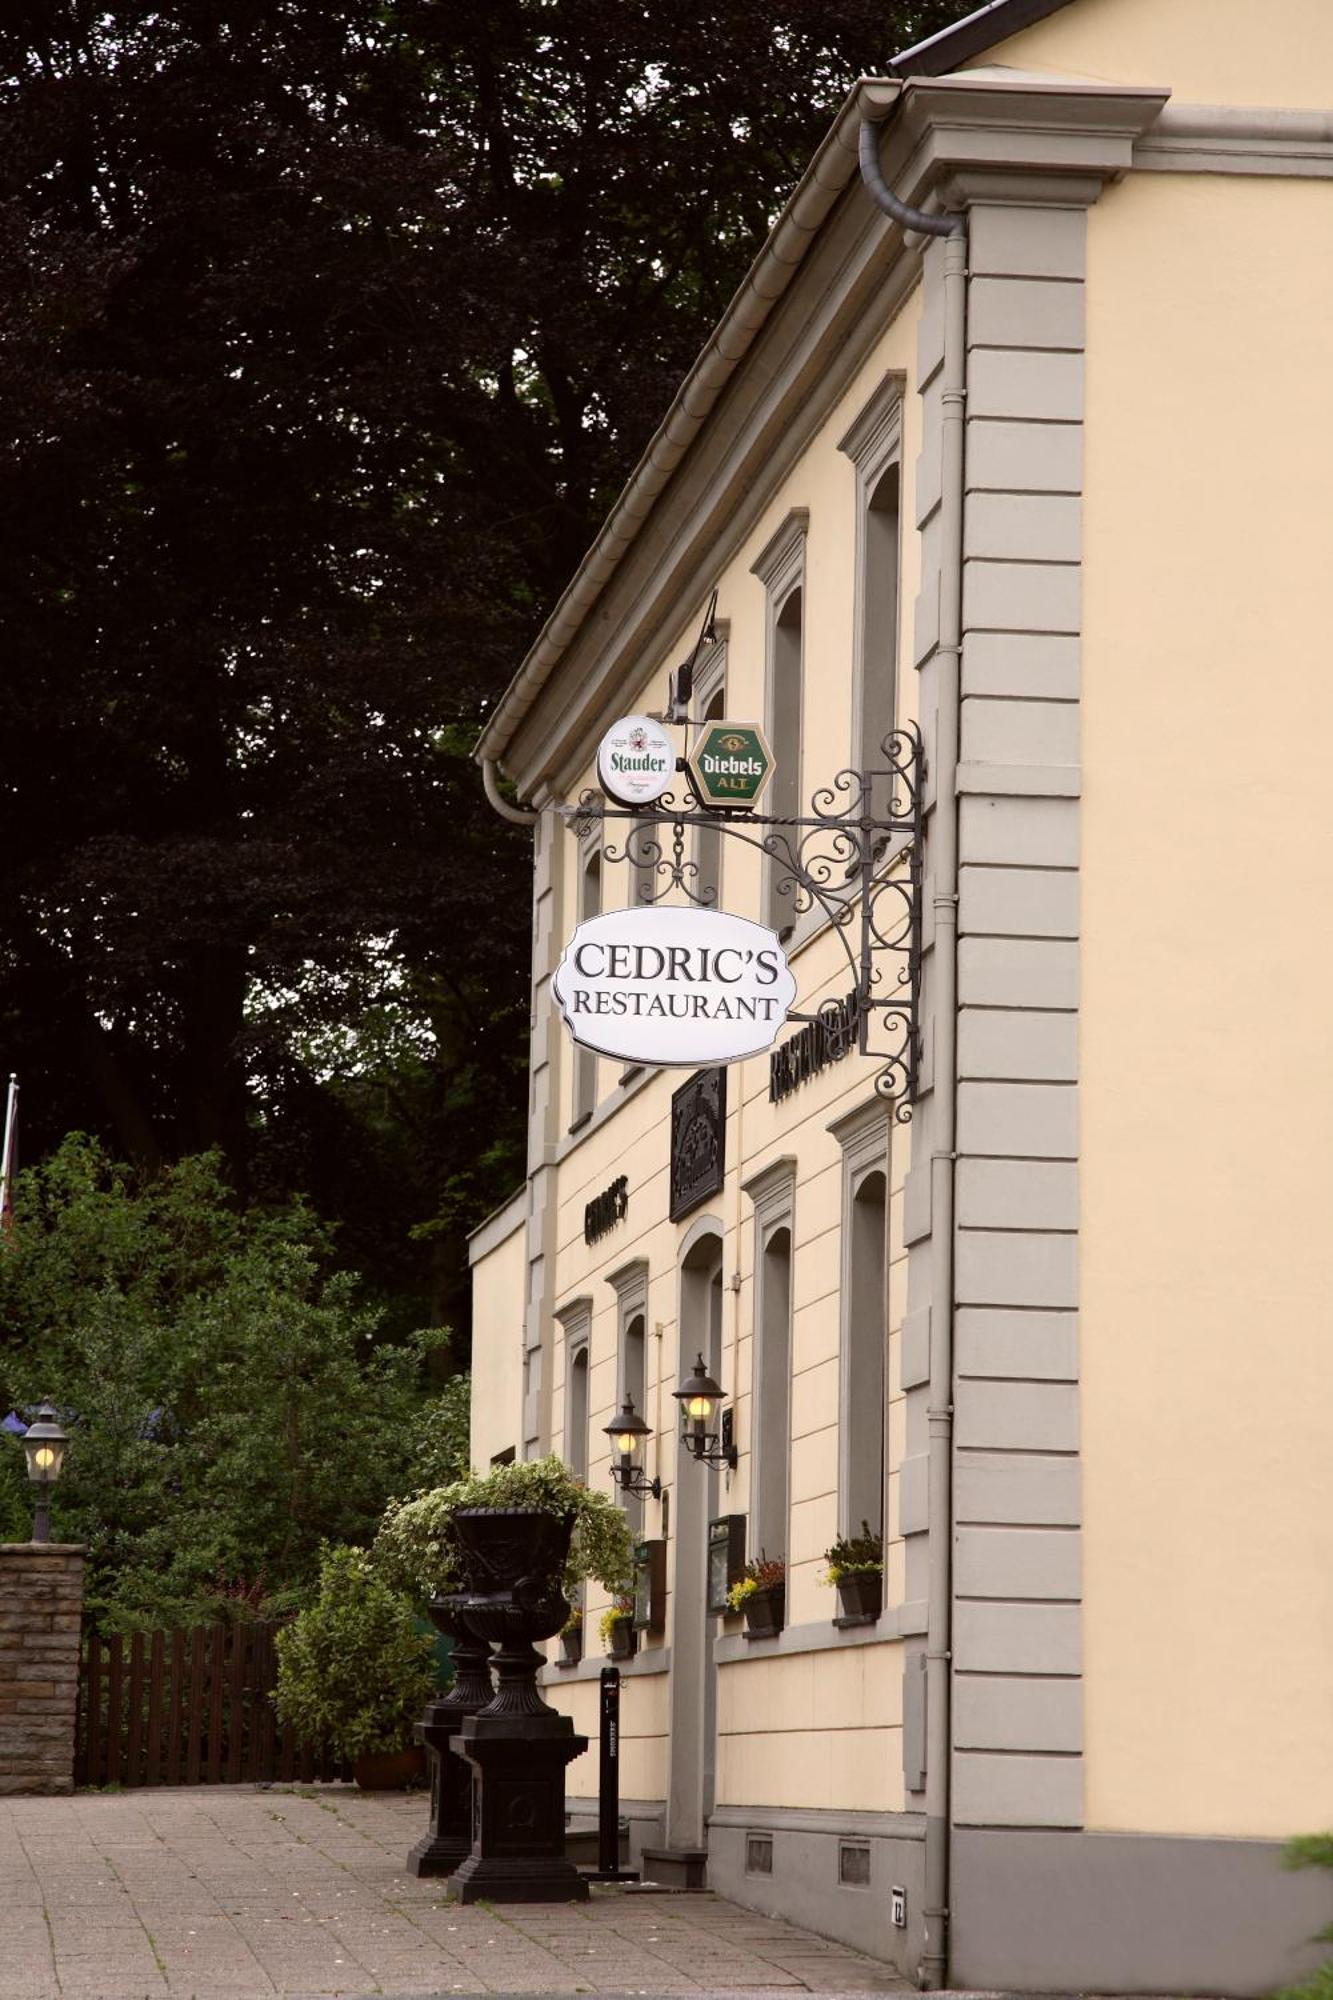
[(636, 761), (674, 986), (730, 764)]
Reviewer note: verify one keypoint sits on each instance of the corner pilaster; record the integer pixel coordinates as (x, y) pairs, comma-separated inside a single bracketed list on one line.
[(1025, 160)]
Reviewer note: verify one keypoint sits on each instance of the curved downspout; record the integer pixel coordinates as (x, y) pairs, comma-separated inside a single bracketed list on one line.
[(934, 1966), (518, 814)]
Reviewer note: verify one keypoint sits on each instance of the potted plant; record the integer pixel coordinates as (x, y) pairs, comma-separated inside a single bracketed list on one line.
[(571, 1638), (420, 1542), (761, 1593), (617, 1629), (856, 1565), (355, 1671)]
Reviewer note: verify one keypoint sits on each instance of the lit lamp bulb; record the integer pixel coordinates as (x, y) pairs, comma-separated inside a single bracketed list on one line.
[(700, 1398), (628, 1432), (44, 1448)]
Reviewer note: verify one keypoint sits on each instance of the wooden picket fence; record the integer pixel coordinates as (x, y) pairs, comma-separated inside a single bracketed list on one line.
[(187, 1708)]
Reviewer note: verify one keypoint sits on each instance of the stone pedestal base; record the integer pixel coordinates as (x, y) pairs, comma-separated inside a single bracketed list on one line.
[(448, 1838), (518, 1845)]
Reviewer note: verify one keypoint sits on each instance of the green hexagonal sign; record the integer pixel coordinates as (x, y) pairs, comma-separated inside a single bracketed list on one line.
[(730, 764)]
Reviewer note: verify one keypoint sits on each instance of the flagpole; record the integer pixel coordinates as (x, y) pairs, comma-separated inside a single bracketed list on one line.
[(7, 1162)]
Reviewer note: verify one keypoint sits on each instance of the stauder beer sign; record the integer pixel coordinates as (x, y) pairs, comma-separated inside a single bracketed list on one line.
[(636, 761), (674, 986), (730, 764)]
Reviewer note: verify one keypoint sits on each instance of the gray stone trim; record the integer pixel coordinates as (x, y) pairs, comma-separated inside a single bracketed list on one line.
[(654, 1660), (771, 1190), (545, 1055), (804, 1886), (629, 1282), (1129, 1913), (1017, 1582), (499, 1226), (575, 1316), (896, 1621), (1239, 139), (816, 1819), (780, 562)]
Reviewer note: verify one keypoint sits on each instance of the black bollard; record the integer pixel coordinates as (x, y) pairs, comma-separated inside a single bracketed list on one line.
[(608, 1867)]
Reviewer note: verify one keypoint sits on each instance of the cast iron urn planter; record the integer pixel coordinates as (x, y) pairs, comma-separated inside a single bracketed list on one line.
[(448, 1838), (517, 1745), (765, 1611)]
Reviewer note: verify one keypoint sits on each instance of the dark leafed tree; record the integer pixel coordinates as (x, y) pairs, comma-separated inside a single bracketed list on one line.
[(328, 330)]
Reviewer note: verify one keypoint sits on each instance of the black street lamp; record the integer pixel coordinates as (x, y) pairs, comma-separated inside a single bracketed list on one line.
[(700, 1398), (627, 1431), (44, 1446)]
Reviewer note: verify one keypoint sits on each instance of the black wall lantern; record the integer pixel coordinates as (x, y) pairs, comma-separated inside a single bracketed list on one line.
[(700, 1399), (627, 1431), (44, 1447)]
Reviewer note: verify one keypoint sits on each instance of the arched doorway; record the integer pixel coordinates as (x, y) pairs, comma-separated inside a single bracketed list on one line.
[(693, 1674)]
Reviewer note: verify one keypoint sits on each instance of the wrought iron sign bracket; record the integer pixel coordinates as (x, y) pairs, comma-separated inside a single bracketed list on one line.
[(855, 857)]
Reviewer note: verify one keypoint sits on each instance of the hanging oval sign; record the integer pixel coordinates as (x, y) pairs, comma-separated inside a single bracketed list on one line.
[(636, 761), (674, 986)]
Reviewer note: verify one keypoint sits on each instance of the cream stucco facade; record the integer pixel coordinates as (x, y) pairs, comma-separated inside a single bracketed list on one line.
[(1104, 1401)]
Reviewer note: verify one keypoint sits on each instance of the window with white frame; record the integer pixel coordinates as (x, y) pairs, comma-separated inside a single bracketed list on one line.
[(780, 567)]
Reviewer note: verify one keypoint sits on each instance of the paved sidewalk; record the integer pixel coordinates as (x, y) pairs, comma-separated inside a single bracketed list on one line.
[(232, 1893)]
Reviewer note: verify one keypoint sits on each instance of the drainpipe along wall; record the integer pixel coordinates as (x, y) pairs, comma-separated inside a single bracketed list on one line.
[(943, 838)]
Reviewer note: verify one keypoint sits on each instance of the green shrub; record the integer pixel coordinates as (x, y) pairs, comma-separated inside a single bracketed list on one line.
[(354, 1670)]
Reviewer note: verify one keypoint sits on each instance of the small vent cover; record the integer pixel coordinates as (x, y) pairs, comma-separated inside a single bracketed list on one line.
[(854, 1863), (759, 1854)]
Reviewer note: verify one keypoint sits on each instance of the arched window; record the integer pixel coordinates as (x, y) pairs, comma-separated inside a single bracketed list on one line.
[(780, 567), (635, 1383), (576, 1413), (867, 1344), (879, 619), (772, 1421)]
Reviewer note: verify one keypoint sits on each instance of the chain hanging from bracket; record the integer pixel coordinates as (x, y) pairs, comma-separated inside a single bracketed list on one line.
[(855, 857)]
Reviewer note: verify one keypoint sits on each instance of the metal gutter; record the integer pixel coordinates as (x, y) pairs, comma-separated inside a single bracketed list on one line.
[(942, 843), (972, 36), (830, 172)]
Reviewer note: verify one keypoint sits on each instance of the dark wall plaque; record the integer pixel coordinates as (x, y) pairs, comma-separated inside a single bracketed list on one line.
[(698, 1140)]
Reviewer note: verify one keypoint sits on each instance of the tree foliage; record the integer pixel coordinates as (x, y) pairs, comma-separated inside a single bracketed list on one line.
[(231, 1398), (330, 332)]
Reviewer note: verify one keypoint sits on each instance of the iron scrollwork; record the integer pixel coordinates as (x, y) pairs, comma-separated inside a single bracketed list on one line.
[(855, 858)]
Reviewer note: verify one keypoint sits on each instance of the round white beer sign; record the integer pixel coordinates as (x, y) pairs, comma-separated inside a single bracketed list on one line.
[(636, 761), (674, 986)]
